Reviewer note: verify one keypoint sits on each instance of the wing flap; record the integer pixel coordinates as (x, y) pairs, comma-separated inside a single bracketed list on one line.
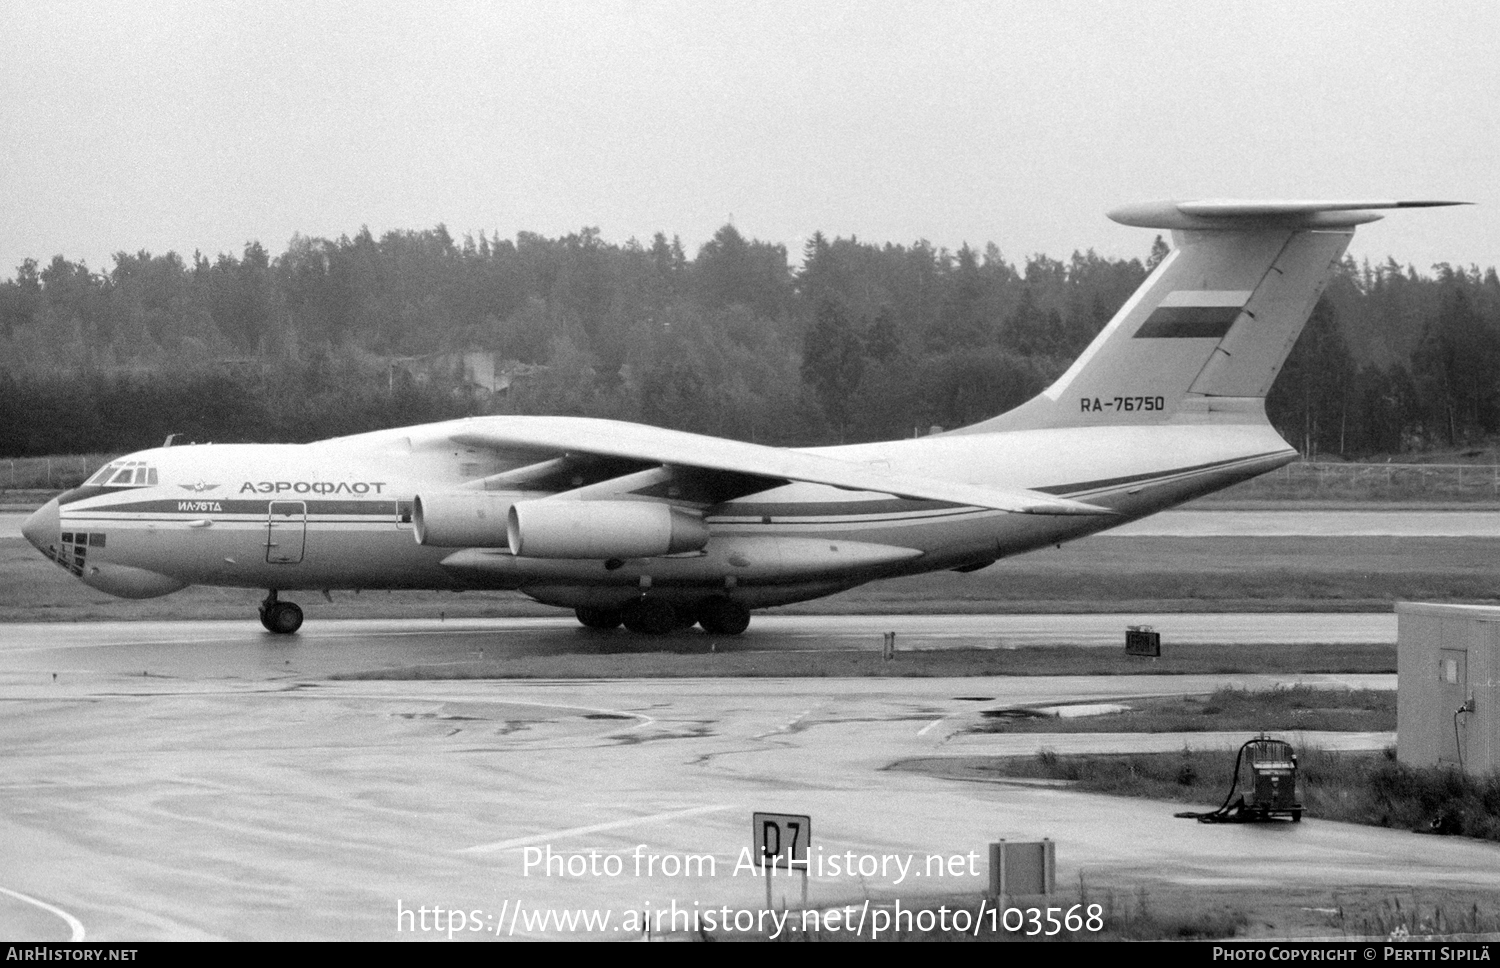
[(611, 438), (563, 473)]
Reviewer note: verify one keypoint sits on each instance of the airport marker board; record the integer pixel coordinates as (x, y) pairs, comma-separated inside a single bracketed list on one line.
[(1142, 640), (781, 839)]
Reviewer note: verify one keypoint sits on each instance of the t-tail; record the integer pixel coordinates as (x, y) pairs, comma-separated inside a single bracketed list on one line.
[(1203, 338)]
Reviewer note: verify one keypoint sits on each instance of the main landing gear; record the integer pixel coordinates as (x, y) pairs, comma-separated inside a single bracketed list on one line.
[(653, 616), (282, 618)]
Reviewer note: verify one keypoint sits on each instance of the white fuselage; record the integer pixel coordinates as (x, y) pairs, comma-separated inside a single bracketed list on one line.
[(336, 515)]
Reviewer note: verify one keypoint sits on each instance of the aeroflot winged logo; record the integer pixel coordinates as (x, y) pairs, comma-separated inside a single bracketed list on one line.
[(312, 487), (198, 488)]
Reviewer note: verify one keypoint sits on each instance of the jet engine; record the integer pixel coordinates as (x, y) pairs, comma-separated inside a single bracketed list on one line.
[(602, 529), (461, 519)]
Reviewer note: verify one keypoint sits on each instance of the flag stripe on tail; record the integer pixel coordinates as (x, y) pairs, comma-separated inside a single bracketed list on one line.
[(1188, 322)]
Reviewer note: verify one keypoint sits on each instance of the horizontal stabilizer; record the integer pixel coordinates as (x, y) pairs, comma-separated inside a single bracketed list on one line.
[(1231, 213), (613, 438)]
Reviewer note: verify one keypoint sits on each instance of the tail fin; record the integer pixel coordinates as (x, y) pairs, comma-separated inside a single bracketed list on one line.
[(1205, 335)]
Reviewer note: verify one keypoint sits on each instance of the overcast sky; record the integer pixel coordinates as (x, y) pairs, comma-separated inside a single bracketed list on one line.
[(199, 126)]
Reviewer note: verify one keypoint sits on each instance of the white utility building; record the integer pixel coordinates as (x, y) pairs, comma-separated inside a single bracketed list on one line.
[(1448, 696)]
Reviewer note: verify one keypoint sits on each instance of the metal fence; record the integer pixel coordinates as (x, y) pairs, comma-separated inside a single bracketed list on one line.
[(1316, 480), (50, 473)]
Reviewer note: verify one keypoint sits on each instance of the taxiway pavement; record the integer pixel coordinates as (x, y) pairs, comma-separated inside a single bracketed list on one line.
[(206, 780), (215, 649)]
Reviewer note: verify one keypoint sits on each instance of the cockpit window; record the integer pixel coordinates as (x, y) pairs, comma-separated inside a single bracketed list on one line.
[(125, 473)]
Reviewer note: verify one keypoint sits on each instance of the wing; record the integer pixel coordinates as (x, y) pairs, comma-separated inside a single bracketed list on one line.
[(718, 468)]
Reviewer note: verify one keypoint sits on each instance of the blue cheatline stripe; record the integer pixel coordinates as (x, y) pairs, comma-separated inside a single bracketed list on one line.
[(200, 506), (879, 509), (1189, 322)]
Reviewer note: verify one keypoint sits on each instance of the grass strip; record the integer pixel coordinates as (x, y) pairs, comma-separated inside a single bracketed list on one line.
[(1365, 788), (1294, 709), (692, 659)]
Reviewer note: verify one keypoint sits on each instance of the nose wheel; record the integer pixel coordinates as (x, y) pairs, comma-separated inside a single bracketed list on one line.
[(280, 618)]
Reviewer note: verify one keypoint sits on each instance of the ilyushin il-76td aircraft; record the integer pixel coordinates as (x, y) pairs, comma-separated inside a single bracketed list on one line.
[(658, 530)]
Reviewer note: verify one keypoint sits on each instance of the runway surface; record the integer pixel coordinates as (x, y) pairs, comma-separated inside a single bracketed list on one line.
[(206, 780)]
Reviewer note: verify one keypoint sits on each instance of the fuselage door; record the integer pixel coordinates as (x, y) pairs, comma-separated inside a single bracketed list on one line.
[(1453, 688), (286, 532)]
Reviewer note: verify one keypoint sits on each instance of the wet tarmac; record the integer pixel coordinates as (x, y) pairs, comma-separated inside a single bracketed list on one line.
[(235, 791)]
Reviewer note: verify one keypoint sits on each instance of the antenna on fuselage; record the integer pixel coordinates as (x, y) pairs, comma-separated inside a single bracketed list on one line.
[(170, 438)]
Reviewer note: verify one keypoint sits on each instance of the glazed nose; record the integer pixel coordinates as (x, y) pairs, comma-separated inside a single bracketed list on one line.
[(41, 529)]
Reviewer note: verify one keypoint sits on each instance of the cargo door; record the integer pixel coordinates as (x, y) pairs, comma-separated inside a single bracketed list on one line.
[(286, 532)]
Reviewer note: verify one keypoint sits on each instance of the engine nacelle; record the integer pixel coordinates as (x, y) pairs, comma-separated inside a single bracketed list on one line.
[(602, 529), (462, 519)]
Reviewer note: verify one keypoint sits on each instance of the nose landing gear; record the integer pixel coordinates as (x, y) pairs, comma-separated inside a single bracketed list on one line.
[(281, 618)]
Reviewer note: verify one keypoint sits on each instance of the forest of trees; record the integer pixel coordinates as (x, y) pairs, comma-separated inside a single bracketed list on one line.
[(861, 341)]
